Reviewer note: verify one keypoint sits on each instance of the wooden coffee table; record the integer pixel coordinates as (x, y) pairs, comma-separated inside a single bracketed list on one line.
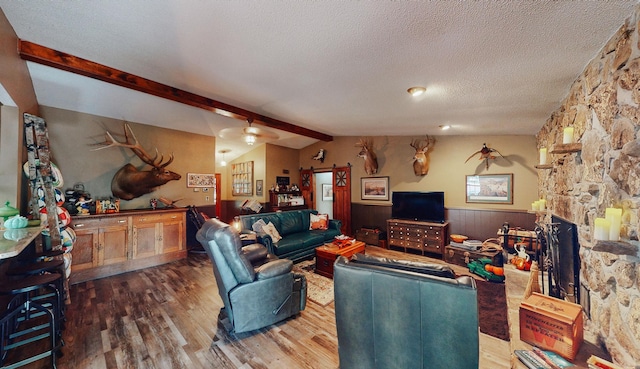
[(328, 253)]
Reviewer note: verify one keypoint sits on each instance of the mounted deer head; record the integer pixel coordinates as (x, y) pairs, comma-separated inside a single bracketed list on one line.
[(366, 152), (421, 157), (129, 182)]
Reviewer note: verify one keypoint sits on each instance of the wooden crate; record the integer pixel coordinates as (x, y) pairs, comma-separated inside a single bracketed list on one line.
[(461, 256), (551, 324)]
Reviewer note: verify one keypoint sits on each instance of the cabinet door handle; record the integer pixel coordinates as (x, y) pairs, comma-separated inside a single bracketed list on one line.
[(174, 217), (122, 221), (78, 225)]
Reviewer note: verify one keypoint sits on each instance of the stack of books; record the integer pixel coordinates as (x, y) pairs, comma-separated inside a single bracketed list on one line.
[(542, 359)]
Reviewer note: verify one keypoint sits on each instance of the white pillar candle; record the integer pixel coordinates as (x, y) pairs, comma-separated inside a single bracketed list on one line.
[(614, 216), (534, 206), (602, 229), (543, 156), (567, 136), (542, 204)]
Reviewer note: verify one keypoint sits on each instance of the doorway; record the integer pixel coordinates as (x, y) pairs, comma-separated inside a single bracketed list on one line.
[(324, 189)]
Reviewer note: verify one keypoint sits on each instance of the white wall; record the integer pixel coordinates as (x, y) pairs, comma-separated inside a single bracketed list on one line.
[(324, 207)]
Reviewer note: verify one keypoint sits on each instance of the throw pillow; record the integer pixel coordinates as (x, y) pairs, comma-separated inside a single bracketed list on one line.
[(257, 227), (320, 221), (271, 230)]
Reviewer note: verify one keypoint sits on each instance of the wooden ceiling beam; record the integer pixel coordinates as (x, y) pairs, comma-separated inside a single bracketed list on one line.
[(70, 63)]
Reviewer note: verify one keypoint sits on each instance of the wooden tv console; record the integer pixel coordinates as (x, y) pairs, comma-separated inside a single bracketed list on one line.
[(424, 237)]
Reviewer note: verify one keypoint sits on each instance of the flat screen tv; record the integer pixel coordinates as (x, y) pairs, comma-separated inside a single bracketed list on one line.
[(421, 206)]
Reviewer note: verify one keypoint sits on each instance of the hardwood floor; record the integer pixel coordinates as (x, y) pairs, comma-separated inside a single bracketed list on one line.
[(167, 317)]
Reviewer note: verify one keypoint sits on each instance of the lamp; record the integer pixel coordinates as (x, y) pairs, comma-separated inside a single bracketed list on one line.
[(250, 138), (223, 162), (416, 91)]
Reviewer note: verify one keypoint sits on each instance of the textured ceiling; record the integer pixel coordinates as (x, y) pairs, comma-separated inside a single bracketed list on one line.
[(338, 67)]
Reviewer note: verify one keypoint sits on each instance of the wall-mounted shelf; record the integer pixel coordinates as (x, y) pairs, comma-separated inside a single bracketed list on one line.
[(566, 148), (621, 247)]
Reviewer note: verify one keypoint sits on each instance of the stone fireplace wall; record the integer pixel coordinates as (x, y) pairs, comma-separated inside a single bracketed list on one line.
[(603, 106)]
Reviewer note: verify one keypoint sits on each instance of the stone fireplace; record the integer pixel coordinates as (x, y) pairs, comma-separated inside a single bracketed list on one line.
[(603, 107)]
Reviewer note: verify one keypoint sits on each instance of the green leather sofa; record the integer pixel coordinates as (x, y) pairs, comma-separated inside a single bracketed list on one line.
[(298, 242), (399, 314)]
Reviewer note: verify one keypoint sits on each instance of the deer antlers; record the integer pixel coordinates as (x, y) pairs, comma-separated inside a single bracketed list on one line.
[(423, 145), (420, 158), (135, 147)]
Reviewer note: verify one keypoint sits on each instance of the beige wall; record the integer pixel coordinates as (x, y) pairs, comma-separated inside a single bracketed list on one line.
[(16, 81), (447, 171), (71, 135), (279, 160)]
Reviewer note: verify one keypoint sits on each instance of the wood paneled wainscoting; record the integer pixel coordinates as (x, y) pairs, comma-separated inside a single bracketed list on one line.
[(479, 224)]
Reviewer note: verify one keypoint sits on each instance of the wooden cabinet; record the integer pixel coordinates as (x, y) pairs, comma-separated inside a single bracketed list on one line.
[(109, 244), (423, 237)]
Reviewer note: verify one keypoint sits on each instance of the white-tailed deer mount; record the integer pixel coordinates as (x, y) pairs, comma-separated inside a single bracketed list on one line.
[(366, 152), (129, 182), (421, 158)]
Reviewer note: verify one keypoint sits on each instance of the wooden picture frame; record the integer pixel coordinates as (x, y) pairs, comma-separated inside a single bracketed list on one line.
[(489, 188), (242, 179), (259, 186), (374, 188), (201, 180), (327, 192)]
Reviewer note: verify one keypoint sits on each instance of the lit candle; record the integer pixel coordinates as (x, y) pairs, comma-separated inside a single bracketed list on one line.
[(543, 204), (534, 206), (567, 136), (602, 229), (614, 216), (543, 156)]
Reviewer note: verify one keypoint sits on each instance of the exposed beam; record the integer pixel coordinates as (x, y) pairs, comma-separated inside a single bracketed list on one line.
[(60, 60)]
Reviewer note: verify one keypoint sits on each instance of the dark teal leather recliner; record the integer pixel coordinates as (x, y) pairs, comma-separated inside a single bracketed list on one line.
[(257, 288), (399, 314)]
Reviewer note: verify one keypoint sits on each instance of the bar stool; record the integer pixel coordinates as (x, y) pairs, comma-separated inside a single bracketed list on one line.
[(28, 320), (36, 268)]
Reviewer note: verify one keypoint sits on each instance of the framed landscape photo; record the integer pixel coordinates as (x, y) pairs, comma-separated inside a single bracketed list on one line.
[(490, 189), (375, 188)]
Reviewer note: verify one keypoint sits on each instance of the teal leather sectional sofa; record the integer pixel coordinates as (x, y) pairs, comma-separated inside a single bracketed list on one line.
[(298, 242)]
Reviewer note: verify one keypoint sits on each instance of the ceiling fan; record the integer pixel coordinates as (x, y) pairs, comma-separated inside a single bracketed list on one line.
[(250, 135)]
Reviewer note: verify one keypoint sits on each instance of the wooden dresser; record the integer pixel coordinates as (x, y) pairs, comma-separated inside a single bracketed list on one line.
[(423, 237), (110, 244)]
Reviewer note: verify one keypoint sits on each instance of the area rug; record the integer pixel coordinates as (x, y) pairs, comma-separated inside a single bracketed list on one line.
[(492, 309), (319, 288)]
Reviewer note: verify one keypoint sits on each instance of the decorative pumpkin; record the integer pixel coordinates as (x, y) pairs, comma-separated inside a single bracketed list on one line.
[(17, 221)]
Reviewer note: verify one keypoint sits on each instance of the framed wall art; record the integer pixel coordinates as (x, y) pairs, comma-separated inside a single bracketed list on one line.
[(327, 192), (201, 180), (374, 188), (259, 185), (242, 179), (490, 188)]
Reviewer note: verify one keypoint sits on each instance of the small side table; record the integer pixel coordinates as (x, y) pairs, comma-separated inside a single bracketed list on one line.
[(327, 254)]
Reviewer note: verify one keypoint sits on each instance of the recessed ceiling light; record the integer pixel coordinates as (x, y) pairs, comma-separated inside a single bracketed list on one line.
[(416, 91), (445, 127)]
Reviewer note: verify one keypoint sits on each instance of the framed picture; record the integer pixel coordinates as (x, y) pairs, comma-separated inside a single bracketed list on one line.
[(201, 180), (327, 192), (375, 188), (490, 188), (259, 185)]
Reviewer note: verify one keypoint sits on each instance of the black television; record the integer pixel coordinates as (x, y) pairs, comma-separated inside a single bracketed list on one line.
[(421, 206)]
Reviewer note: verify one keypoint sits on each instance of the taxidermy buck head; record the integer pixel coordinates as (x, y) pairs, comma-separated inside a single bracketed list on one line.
[(421, 158), (366, 152), (129, 182)]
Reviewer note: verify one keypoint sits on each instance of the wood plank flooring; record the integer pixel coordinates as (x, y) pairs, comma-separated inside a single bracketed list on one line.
[(167, 317)]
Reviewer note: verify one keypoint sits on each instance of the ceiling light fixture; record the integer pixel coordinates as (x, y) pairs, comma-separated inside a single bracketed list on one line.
[(416, 91), (223, 162), (250, 133), (445, 127)]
